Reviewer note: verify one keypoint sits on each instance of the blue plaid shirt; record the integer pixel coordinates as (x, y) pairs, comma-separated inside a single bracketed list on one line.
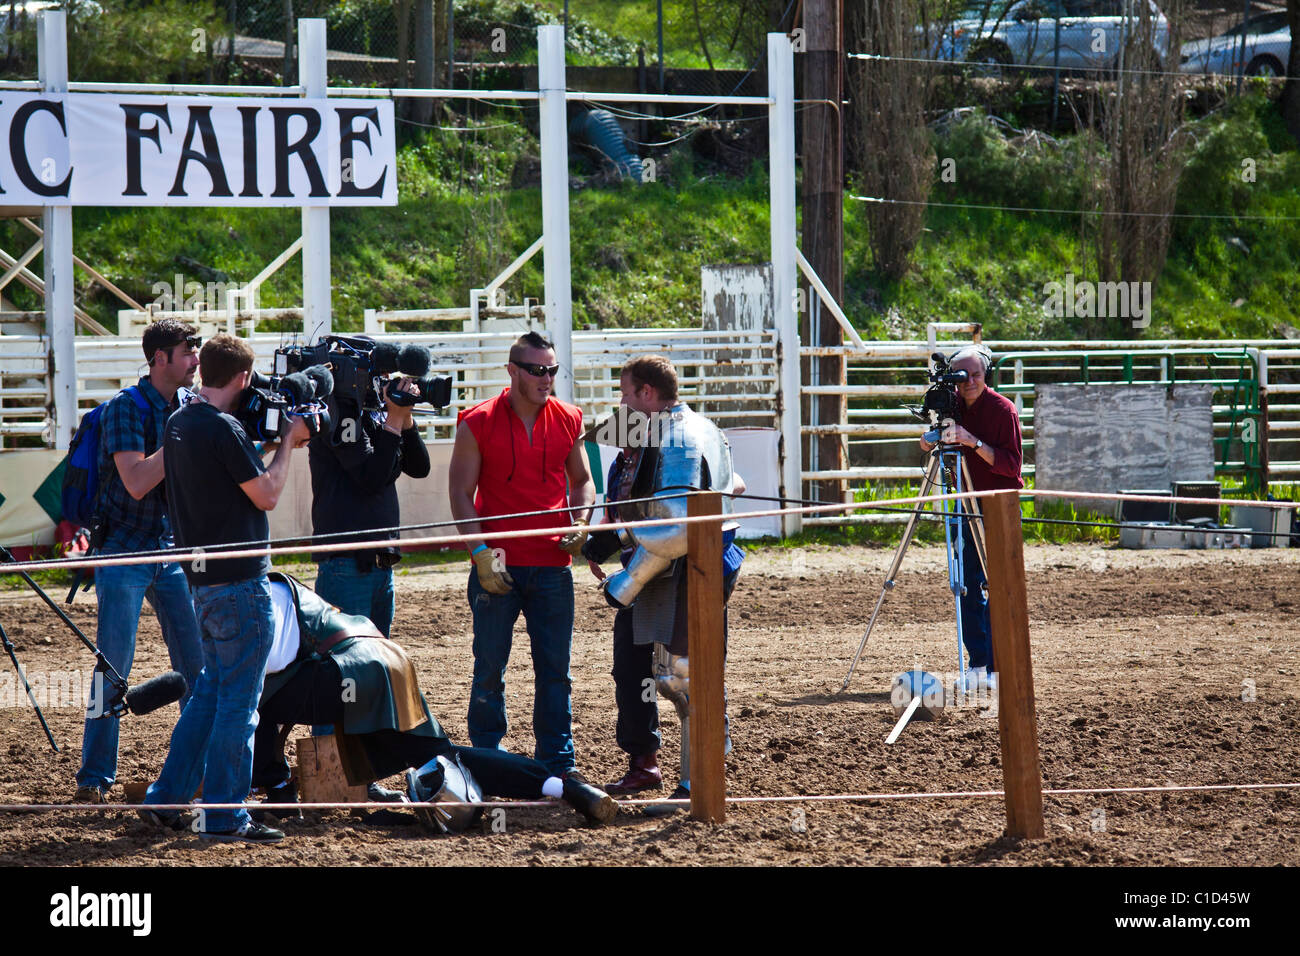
[(132, 525)]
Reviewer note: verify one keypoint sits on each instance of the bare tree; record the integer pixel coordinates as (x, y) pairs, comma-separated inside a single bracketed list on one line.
[(895, 155), (1146, 142), (1291, 91), (426, 47)]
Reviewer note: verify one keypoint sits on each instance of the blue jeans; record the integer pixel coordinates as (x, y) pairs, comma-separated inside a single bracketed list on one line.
[(976, 632), (213, 740), (368, 593), (545, 597), (120, 591)]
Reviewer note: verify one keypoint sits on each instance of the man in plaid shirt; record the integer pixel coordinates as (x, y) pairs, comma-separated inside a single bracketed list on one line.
[(133, 505)]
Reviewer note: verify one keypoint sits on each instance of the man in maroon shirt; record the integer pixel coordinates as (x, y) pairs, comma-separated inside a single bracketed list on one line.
[(989, 434)]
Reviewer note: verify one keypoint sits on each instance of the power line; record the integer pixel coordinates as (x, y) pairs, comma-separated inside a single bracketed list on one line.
[(1071, 212)]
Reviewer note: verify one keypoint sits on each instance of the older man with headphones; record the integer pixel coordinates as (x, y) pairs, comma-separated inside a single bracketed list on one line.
[(989, 434)]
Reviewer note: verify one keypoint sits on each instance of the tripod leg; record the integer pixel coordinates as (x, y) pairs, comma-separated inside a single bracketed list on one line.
[(928, 483), (9, 647)]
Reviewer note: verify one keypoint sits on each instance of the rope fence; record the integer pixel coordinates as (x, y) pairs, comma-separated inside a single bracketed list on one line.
[(225, 552), (785, 798)]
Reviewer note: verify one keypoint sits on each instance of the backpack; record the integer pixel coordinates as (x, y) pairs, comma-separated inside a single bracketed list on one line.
[(80, 497)]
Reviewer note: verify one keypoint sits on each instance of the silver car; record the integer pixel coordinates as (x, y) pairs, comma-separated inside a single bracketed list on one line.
[(1259, 46), (1025, 32)]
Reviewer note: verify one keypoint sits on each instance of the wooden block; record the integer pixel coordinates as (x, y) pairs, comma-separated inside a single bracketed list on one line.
[(320, 773)]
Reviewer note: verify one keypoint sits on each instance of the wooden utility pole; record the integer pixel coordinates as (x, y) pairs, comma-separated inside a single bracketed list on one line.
[(823, 226), (706, 652)]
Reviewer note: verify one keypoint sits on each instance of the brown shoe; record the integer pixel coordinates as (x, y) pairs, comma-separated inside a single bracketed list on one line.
[(89, 795), (643, 774)]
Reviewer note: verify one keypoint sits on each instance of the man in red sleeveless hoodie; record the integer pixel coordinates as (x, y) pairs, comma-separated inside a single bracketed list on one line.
[(522, 452)]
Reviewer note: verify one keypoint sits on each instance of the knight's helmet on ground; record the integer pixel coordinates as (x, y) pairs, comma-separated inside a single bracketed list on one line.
[(684, 452), (445, 780)]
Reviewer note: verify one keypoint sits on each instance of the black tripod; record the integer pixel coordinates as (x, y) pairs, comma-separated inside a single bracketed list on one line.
[(103, 669), (946, 470)]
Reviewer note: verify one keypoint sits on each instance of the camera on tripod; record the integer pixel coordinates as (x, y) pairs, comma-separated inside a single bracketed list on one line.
[(362, 370), (266, 408), (942, 405)]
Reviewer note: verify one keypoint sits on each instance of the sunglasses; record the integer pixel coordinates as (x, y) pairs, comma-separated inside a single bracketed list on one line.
[(537, 371)]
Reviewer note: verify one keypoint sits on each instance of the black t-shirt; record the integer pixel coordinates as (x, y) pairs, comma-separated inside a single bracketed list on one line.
[(207, 458), (354, 471)]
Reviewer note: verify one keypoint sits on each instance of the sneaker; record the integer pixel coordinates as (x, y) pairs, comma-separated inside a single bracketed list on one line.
[(173, 820), (250, 832), (668, 809), (89, 795)]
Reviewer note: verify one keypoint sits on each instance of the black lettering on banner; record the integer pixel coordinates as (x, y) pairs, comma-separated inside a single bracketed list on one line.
[(134, 134), (201, 121), (18, 147), (302, 147), (248, 119), (347, 136)]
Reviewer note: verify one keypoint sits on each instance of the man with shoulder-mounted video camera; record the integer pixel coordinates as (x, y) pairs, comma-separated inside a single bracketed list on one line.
[(354, 472), (218, 493), (989, 436)]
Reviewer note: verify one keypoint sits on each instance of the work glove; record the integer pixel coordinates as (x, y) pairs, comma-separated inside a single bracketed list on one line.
[(573, 541), (493, 578)]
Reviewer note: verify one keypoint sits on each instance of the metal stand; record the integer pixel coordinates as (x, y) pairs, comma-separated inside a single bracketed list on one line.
[(9, 649), (947, 470), (102, 664)]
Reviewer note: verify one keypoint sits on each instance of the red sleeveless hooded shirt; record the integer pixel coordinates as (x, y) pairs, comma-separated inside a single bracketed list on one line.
[(522, 475)]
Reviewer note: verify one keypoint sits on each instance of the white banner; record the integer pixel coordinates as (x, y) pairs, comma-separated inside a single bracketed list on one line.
[(88, 149)]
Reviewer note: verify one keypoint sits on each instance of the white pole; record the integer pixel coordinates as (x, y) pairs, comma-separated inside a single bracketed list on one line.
[(555, 202), (56, 222), (780, 147), (317, 311)]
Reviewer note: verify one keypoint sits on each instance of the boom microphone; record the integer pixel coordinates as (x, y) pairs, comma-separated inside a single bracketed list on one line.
[(322, 380), (414, 360), (156, 692), (298, 388), (383, 358)]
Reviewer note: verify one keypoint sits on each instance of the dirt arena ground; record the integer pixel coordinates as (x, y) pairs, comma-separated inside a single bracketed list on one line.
[(1151, 668)]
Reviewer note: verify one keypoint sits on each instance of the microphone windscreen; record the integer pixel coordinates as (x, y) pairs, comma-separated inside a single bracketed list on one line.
[(156, 692), (298, 388), (414, 360), (322, 379), (383, 358)]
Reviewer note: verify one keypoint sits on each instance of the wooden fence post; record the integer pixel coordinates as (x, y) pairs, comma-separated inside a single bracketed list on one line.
[(705, 651), (1009, 616)]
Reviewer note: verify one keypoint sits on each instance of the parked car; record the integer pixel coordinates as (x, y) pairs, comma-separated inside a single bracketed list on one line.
[(1025, 32), (1258, 46)]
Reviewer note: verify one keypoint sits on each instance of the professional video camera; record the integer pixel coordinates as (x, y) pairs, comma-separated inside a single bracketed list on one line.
[(268, 406), (362, 370), (942, 405)]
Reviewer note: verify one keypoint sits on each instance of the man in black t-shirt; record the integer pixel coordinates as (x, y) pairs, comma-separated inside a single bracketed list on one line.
[(354, 472), (218, 493)]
